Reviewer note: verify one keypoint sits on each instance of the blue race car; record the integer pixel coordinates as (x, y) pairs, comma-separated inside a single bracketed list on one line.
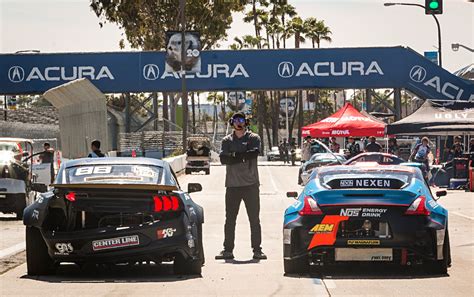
[(366, 213)]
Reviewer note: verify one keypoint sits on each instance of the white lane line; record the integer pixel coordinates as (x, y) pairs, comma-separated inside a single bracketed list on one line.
[(272, 180), (330, 284), (462, 215), (19, 247)]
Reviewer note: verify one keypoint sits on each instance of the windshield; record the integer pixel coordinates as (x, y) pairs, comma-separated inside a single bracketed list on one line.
[(329, 157), (114, 174)]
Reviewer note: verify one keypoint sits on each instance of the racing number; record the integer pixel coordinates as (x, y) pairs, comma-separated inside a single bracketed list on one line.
[(93, 170)]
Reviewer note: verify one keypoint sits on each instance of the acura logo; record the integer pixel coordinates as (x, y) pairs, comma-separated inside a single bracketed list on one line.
[(418, 74), (151, 72), (286, 69), (16, 74)]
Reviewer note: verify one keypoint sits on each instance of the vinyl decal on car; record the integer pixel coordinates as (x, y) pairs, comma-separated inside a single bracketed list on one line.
[(112, 243), (325, 232)]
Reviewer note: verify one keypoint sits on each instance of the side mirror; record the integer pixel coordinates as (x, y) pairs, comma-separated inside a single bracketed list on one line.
[(292, 195), (194, 187), (41, 188), (441, 193)]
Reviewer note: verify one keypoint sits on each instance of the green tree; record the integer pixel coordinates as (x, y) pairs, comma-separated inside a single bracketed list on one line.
[(317, 31), (146, 21)]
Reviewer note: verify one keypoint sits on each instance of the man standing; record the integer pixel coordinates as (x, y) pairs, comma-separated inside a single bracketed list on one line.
[(95, 147), (306, 149), (334, 146), (284, 149), (373, 146), (239, 153), (353, 148)]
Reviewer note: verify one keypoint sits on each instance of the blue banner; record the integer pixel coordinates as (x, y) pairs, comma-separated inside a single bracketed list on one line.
[(118, 72)]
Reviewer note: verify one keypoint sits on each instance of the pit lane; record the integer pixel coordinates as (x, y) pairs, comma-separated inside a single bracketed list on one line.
[(244, 276)]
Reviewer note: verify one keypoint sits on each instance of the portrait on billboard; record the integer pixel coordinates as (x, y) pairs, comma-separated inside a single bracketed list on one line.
[(192, 62), (236, 100)]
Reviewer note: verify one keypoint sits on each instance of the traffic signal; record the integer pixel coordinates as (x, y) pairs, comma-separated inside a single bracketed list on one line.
[(433, 6)]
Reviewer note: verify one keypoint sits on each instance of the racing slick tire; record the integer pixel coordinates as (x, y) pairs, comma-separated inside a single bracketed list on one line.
[(187, 171), (38, 261), (207, 171), (19, 215), (185, 266), (441, 266), (298, 265)]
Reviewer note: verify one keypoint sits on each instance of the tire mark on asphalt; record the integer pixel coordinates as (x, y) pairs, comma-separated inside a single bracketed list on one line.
[(462, 215)]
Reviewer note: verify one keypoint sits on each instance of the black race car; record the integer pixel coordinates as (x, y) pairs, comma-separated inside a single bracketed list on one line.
[(115, 210)]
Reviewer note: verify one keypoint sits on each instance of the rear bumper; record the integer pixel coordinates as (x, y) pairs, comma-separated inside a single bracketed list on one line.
[(154, 242), (414, 236)]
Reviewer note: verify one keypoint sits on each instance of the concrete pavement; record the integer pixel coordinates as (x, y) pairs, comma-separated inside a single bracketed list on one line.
[(245, 277)]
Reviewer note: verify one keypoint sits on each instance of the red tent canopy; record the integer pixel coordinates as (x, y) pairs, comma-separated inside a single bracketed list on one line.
[(347, 121)]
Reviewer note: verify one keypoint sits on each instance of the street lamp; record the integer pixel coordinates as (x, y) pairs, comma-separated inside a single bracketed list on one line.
[(456, 46), (435, 18)]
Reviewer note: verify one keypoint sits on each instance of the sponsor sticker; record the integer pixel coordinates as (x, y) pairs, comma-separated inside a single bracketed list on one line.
[(118, 242), (322, 228), (363, 242), (365, 212), (165, 233), (3, 196), (63, 248)]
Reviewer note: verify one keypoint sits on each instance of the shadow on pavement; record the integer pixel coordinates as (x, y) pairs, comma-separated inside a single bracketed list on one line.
[(367, 271), (251, 261), (71, 273)]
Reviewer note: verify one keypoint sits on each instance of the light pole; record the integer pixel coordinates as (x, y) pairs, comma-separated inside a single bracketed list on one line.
[(184, 93), (435, 18), (456, 46)]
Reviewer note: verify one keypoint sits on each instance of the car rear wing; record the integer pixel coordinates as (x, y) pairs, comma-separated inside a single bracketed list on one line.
[(151, 187)]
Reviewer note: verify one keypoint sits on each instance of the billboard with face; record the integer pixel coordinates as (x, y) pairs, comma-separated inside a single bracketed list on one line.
[(192, 47)]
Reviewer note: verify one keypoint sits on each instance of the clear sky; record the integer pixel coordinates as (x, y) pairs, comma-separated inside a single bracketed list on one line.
[(70, 26)]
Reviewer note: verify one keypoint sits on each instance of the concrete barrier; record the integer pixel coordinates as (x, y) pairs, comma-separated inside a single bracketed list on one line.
[(178, 163)]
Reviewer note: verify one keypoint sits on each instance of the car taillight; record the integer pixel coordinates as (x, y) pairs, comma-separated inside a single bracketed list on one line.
[(418, 207), (310, 207), (71, 196), (165, 203)]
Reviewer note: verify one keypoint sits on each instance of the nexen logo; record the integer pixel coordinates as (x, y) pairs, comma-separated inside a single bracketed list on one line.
[(58, 73), (287, 69)]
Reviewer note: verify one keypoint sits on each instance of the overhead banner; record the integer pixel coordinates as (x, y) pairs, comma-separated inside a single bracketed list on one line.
[(118, 72)]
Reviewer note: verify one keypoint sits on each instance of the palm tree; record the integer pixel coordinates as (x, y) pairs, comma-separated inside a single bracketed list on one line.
[(282, 9), (317, 31)]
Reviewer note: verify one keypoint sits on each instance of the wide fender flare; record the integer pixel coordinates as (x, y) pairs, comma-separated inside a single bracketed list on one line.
[(35, 214)]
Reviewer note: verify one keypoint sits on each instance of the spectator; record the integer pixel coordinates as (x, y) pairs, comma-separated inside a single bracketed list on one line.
[(284, 151), (353, 148), (393, 147), (334, 146), (95, 147), (373, 146), (306, 149), (47, 156), (420, 153)]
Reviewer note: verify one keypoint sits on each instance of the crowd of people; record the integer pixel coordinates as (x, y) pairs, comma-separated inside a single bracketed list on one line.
[(419, 153)]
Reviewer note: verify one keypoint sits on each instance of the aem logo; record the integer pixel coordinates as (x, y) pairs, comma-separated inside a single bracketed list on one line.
[(16, 74), (151, 72), (286, 69), (417, 73)]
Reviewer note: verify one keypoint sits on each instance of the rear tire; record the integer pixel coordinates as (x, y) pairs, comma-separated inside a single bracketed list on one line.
[(19, 215), (298, 265), (185, 266), (441, 266), (38, 261)]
